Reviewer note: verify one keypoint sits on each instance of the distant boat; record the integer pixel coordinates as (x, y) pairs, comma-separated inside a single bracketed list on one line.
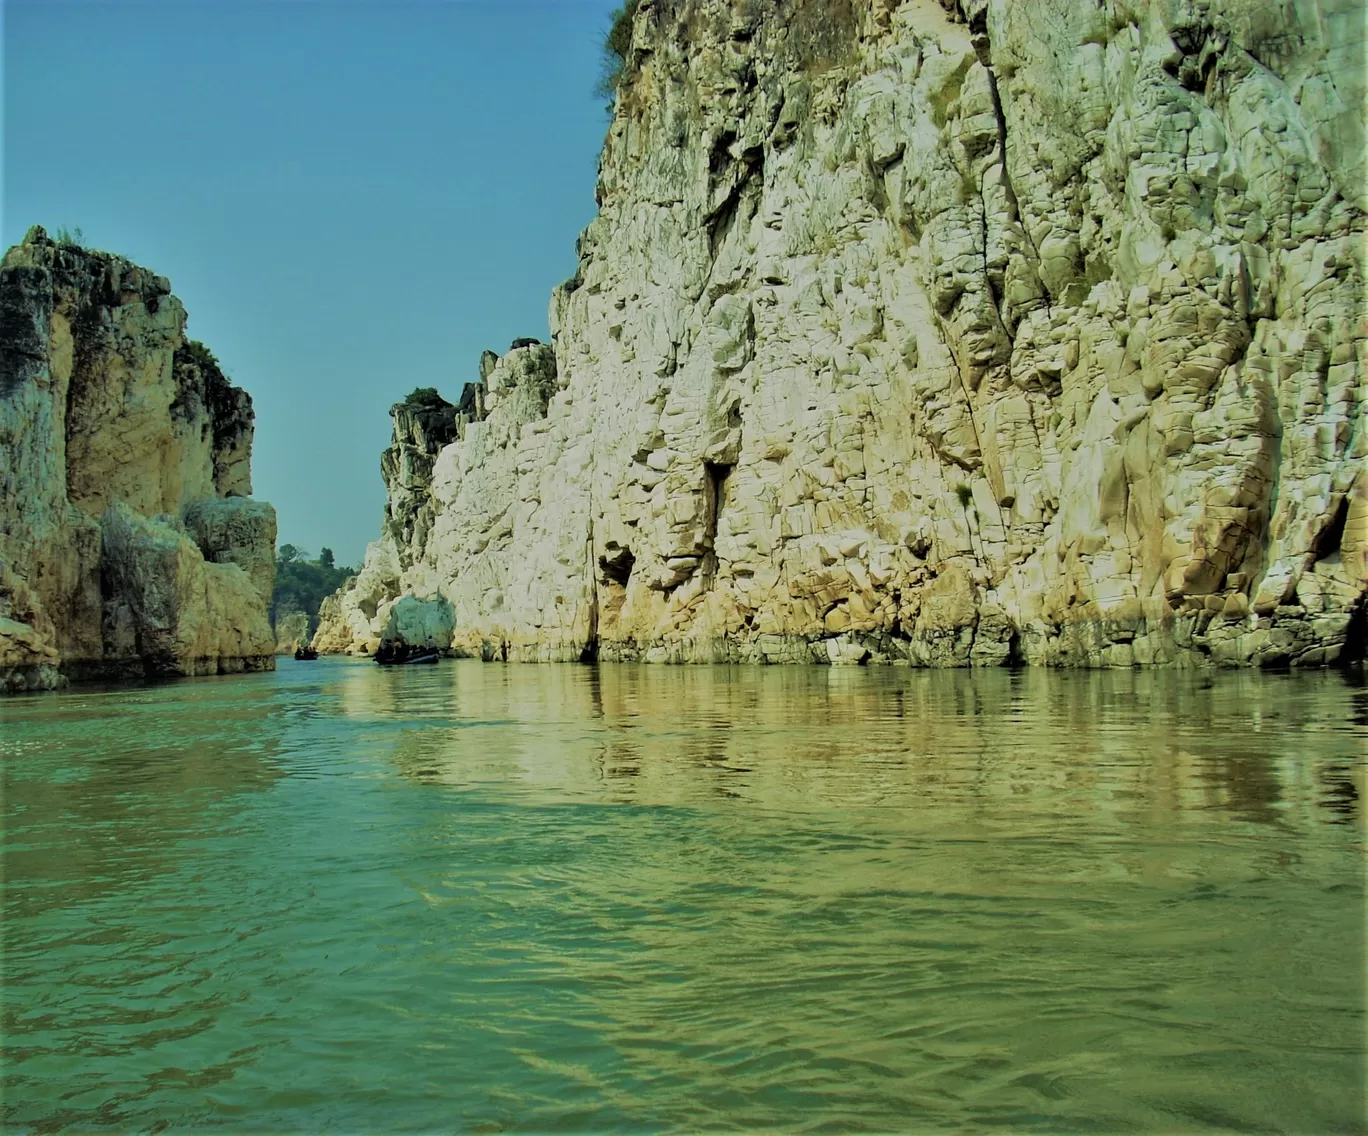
[(306, 654), (403, 656)]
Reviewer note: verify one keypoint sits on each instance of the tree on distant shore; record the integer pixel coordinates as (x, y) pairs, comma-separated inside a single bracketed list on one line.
[(303, 584)]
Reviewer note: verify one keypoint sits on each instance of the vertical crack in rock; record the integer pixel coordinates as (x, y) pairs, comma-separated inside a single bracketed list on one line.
[(589, 652), (716, 475)]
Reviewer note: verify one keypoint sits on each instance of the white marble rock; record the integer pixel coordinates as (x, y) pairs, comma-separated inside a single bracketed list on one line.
[(960, 333)]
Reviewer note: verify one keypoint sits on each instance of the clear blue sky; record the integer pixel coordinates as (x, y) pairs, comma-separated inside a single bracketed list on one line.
[(351, 199)]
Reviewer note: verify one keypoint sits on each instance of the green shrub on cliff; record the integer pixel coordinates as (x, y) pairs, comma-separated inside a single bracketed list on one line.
[(193, 351), (421, 398), (616, 44)]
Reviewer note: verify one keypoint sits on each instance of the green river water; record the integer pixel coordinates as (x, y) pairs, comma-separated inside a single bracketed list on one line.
[(551, 898)]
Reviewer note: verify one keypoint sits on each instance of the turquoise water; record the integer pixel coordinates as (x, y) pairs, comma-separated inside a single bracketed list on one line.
[(487, 898)]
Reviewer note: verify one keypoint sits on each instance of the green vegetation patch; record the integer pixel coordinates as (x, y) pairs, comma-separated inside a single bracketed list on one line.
[(420, 398), (616, 46), (302, 584), (194, 352)]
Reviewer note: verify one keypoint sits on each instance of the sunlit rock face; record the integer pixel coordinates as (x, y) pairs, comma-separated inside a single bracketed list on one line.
[(128, 544), (954, 333)]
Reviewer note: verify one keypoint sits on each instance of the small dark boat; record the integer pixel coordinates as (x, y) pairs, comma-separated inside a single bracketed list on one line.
[(402, 655), (306, 654)]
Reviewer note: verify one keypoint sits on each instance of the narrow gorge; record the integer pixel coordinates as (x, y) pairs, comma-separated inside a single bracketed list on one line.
[(886, 655), (129, 544)]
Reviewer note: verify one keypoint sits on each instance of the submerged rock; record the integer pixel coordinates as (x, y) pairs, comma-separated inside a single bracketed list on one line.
[(951, 334), (127, 543)]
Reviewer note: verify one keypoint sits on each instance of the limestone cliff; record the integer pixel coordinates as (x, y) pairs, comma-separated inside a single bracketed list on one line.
[(127, 542), (952, 333), (291, 631)]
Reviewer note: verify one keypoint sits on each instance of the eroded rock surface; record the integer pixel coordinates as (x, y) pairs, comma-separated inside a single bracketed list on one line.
[(291, 631), (127, 542), (951, 333)]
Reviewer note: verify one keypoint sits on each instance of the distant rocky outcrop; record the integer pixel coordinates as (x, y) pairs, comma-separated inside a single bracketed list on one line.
[(128, 544), (936, 332), (292, 631), (359, 615)]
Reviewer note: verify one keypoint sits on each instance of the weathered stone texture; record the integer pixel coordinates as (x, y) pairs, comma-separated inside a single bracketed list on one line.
[(949, 333), (126, 542), (291, 631)]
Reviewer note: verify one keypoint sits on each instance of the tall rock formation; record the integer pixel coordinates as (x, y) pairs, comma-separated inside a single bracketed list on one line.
[(953, 333), (128, 544), (291, 631)]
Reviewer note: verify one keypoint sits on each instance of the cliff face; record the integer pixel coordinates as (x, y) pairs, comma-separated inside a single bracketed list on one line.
[(127, 542), (954, 333), (291, 632)]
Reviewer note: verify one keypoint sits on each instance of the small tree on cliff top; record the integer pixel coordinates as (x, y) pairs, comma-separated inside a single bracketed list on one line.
[(419, 398), (200, 355)]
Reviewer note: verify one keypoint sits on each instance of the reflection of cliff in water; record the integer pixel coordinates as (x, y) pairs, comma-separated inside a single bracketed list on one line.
[(126, 775), (763, 887), (1118, 746)]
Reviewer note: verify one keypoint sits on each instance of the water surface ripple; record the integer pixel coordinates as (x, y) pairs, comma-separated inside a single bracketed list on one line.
[(489, 898)]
